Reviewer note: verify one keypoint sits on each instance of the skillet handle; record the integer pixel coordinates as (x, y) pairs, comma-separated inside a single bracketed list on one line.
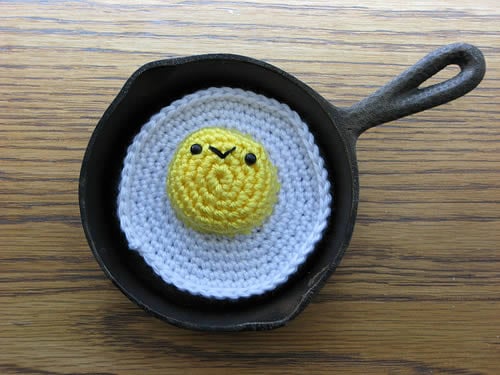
[(402, 96)]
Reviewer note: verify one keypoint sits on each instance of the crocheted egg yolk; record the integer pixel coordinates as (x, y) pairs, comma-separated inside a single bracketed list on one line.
[(221, 181)]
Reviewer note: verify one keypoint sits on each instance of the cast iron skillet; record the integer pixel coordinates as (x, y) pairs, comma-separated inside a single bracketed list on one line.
[(157, 84)]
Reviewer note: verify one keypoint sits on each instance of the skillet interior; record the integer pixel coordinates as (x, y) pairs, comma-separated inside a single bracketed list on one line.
[(155, 86)]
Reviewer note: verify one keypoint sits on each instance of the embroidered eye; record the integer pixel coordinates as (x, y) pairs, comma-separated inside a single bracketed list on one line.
[(196, 149), (250, 158)]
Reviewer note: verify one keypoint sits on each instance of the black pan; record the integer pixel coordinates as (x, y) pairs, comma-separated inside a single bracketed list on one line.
[(159, 83)]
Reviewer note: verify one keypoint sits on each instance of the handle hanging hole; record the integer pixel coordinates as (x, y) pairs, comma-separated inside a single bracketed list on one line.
[(443, 75)]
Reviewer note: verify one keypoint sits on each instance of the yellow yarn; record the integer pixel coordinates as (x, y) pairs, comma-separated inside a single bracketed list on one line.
[(216, 190)]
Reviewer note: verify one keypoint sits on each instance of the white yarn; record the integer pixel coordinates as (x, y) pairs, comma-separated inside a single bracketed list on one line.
[(211, 265)]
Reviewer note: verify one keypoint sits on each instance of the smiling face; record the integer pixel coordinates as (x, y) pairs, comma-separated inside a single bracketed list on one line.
[(222, 181)]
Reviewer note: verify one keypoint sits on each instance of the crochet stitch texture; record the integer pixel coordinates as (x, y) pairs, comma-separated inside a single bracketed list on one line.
[(214, 189), (212, 265)]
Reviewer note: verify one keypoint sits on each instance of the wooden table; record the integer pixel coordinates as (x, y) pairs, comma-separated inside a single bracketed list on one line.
[(418, 291)]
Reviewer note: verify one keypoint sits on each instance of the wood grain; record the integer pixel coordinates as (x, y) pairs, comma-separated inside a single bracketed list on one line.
[(418, 291)]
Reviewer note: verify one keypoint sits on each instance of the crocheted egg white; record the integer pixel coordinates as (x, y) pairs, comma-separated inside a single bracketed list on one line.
[(216, 266)]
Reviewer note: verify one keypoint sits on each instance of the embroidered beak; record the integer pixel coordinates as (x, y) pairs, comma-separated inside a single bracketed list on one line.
[(221, 155)]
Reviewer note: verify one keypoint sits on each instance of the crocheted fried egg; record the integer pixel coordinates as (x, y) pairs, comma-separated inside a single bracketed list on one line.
[(188, 180)]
